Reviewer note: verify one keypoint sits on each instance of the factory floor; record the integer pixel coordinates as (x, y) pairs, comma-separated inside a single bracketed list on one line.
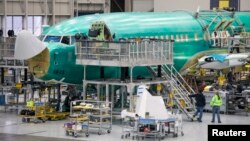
[(12, 129)]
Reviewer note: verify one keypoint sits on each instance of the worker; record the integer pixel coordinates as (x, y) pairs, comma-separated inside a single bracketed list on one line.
[(215, 103), (230, 77), (235, 43), (203, 85), (216, 39), (228, 87), (200, 104), (224, 38), (30, 104), (158, 89), (239, 87)]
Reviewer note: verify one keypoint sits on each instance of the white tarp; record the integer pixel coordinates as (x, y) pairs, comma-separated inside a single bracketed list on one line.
[(154, 105), (27, 45)]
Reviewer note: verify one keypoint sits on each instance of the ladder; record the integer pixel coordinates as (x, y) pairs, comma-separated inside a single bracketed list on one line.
[(180, 87)]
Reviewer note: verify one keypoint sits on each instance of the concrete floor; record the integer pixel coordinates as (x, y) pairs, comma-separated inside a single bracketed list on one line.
[(11, 129), (14, 137)]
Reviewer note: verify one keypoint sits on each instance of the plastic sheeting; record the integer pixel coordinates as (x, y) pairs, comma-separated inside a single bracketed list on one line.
[(27, 45)]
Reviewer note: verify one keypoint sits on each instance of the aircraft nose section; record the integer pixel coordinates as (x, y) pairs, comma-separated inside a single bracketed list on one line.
[(27, 45), (39, 64)]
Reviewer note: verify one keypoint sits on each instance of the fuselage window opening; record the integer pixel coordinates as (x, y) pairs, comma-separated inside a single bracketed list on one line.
[(205, 36), (182, 38), (186, 37), (196, 36), (50, 38), (172, 37), (65, 40), (177, 38), (56, 58), (167, 37)]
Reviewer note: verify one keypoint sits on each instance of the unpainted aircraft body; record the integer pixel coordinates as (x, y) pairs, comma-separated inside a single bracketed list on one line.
[(53, 56)]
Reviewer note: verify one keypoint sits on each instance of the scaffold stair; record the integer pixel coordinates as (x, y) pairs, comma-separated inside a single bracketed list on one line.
[(179, 86)]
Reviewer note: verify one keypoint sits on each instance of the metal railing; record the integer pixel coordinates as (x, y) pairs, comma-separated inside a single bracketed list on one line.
[(7, 46), (179, 79), (144, 52), (230, 42), (179, 86)]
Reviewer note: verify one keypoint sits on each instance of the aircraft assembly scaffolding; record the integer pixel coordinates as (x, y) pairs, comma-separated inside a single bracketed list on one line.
[(7, 61), (222, 29), (7, 49), (153, 54), (10, 70)]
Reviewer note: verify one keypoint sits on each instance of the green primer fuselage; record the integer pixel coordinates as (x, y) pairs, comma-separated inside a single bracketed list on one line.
[(183, 27)]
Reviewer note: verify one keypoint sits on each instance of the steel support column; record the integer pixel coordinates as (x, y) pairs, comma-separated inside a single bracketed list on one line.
[(2, 76), (58, 97)]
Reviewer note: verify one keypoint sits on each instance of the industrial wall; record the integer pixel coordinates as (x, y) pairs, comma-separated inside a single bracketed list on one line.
[(245, 5), (143, 5), (190, 5), (32, 14), (50, 11)]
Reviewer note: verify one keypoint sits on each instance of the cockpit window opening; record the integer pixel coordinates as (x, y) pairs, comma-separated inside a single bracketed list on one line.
[(41, 37), (65, 40), (50, 38)]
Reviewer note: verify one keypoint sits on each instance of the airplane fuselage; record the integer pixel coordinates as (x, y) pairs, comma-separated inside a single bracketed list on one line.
[(189, 32)]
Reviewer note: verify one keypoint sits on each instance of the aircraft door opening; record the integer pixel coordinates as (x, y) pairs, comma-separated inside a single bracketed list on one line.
[(99, 31)]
